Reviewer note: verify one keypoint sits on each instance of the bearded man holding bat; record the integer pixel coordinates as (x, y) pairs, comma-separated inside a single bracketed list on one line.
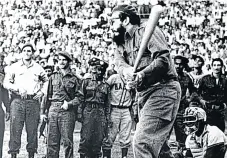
[(143, 58)]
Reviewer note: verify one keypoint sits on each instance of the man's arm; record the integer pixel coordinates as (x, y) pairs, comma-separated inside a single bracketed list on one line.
[(120, 60), (77, 99), (200, 91), (43, 78), (225, 92), (191, 87), (157, 66), (5, 98), (45, 104), (82, 93), (9, 80), (108, 107)]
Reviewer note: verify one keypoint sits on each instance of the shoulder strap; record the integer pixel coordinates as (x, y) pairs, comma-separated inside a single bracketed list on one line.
[(66, 90)]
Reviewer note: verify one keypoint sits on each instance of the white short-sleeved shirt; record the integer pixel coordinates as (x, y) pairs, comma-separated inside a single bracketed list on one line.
[(211, 136)]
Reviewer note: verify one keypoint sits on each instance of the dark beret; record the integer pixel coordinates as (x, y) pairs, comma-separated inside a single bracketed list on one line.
[(66, 55)]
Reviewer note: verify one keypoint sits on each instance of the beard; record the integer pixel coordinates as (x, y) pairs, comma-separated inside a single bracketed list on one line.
[(120, 38)]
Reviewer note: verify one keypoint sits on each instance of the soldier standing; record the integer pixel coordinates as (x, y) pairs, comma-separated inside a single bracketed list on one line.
[(95, 110), (159, 91), (121, 104), (213, 92), (186, 85), (197, 73), (25, 80), (4, 98), (62, 99)]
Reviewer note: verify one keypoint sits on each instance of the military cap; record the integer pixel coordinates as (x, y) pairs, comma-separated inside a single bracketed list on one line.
[(97, 62), (127, 9), (184, 59), (28, 45), (66, 55)]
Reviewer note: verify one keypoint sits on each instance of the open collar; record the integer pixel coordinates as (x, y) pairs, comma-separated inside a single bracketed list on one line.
[(129, 34)]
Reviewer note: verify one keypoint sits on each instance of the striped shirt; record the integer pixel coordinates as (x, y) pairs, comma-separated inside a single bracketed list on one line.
[(120, 96)]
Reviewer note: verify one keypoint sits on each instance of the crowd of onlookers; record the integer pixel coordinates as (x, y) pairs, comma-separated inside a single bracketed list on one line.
[(81, 28), (197, 28)]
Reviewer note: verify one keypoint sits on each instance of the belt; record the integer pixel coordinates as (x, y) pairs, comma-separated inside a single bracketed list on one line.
[(120, 107), (163, 81), (94, 105), (28, 97), (56, 104)]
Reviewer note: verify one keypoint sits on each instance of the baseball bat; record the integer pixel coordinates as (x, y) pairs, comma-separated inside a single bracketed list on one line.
[(149, 29)]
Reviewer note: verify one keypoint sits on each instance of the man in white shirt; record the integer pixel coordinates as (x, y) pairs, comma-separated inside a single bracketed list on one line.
[(25, 81)]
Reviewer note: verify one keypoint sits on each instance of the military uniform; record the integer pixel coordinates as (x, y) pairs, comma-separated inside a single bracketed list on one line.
[(215, 95), (61, 122), (187, 88), (159, 92), (95, 112)]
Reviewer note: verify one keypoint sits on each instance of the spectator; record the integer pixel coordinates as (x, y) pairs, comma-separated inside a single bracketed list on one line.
[(213, 89), (111, 71)]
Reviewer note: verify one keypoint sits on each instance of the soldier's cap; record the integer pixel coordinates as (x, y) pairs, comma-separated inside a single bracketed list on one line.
[(66, 55), (127, 9), (184, 59), (28, 45), (97, 62), (198, 56)]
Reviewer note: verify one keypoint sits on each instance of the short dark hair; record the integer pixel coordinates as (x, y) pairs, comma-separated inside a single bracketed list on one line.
[(128, 11), (133, 18), (218, 59)]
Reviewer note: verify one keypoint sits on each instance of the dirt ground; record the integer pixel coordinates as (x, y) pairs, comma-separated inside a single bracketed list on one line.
[(116, 153)]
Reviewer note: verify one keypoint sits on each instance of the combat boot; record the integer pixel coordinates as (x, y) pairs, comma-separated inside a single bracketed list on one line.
[(13, 155), (106, 153), (31, 155), (124, 152)]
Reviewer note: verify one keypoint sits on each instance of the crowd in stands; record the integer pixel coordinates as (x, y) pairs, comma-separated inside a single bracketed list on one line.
[(81, 28)]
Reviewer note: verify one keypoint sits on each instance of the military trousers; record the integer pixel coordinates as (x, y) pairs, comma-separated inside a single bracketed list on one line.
[(160, 104), (24, 111), (122, 125), (93, 131), (179, 130), (60, 129), (216, 118), (2, 128)]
